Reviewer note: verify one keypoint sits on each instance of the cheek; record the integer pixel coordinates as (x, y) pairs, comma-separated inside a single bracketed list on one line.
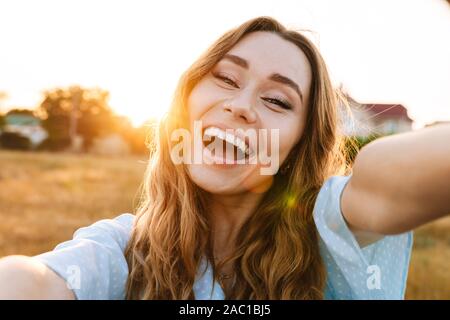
[(193, 105), (201, 98), (290, 133)]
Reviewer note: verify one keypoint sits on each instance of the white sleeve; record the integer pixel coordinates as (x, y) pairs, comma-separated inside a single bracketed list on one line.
[(93, 262), (377, 271)]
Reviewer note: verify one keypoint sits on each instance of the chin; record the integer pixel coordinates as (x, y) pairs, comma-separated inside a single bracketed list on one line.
[(228, 181)]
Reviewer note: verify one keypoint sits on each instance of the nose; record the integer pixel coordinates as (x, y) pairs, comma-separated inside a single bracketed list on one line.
[(241, 110)]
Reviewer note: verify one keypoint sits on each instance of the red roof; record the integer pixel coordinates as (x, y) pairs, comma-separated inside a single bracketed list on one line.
[(387, 111)]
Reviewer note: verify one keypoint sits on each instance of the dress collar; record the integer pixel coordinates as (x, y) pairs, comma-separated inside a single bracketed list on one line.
[(205, 287)]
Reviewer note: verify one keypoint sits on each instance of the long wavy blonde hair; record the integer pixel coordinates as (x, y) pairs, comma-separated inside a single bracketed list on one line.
[(277, 249)]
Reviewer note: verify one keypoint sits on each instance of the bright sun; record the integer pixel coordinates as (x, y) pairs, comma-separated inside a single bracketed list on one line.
[(139, 107)]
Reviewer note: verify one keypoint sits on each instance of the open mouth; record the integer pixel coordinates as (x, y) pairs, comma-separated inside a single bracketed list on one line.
[(225, 144)]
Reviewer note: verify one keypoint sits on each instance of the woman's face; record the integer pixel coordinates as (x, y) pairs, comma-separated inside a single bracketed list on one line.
[(262, 83)]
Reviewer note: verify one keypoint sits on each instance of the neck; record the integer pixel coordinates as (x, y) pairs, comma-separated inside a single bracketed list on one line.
[(227, 214)]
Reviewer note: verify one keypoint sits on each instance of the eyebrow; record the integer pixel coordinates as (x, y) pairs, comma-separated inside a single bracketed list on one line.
[(273, 77)]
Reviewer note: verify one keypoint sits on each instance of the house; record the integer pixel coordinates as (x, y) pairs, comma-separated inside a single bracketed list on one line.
[(26, 125), (383, 119), (389, 118)]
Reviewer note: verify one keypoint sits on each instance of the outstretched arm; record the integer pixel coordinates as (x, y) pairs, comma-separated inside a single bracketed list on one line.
[(399, 183), (22, 277)]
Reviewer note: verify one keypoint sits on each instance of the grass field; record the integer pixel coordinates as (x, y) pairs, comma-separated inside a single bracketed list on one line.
[(45, 197)]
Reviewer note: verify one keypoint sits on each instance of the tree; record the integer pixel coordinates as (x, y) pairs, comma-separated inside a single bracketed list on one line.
[(138, 138), (26, 112), (76, 111), (141, 138), (3, 96), (2, 122)]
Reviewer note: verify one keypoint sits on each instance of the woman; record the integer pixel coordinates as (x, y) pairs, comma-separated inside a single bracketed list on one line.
[(313, 229)]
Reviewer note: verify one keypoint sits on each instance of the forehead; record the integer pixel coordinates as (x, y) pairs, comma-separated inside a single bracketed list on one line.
[(269, 53)]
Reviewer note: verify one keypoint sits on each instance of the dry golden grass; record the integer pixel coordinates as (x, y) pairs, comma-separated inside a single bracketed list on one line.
[(45, 197), (429, 272)]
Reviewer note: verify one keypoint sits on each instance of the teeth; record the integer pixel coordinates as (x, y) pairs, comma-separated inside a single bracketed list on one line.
[(228, 137)]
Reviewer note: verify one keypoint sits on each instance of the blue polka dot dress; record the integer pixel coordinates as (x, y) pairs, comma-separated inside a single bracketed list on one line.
[(94, 266)]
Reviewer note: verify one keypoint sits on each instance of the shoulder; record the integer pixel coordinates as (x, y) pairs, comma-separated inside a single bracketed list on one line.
[(327, 210), (350, 266), (330, 194), (117, 229)]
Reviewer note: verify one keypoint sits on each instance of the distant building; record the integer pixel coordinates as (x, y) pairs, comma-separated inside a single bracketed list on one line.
[(389, 118), (113, 144), (384, 119), (27, 126)]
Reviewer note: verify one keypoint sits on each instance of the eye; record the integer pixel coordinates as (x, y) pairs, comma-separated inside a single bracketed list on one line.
[(280, 102), (225, 79)]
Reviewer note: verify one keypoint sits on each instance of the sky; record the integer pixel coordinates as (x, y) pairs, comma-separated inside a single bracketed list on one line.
[(385, 51)]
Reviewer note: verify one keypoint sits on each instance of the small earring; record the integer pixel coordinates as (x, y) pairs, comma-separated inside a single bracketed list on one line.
[(285, 168)]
